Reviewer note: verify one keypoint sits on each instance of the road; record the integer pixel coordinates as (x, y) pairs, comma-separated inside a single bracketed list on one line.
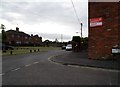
[(37, 69)]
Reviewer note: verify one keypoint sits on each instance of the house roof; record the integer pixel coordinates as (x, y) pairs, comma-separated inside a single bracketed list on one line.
[(17, 32), (21, 33)]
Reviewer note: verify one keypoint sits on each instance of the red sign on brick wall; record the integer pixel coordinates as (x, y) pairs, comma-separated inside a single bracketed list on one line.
[(94, 22)]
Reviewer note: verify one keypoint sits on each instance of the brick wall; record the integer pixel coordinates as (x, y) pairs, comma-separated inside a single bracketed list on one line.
[(103, 38)]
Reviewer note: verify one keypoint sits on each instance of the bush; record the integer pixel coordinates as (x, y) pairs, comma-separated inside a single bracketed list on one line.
[(76, 39)]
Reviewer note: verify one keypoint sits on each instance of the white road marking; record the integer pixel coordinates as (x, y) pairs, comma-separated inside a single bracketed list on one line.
[(28, 65), (16, 69), (1, 74), (35, 62)]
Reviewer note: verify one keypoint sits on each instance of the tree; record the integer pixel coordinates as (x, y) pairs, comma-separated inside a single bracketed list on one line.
[(84, 41), (47, 43), (76, 43), (56, 40), (0, 37), (2, 26), (76, 38), (4, 37)]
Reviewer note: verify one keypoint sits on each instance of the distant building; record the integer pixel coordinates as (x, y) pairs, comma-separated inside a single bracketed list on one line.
[(104, 29), (16, 37)]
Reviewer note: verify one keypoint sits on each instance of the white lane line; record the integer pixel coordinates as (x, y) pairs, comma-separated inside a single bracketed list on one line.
[(28, 65), (1, 74), (16, 69), (35, 62)]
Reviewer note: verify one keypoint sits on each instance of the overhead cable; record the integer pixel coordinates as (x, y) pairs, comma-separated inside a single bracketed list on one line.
[(75, 12)]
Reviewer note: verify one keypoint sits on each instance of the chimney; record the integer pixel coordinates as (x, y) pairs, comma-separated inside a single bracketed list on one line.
[(17, 29)]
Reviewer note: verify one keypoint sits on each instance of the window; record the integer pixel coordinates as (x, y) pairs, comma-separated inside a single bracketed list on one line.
[(18, 36), (30, 38), (13, 36), (18, 42), (26, 37)]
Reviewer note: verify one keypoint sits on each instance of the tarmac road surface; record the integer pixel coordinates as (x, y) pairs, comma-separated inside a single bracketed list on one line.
[(37, 69)]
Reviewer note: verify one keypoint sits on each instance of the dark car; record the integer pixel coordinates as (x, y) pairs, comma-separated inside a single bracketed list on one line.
[(63, 47), (7, 47)]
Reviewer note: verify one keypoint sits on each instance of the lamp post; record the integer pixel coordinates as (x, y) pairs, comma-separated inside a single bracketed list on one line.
[(81, 29), (61, 38)]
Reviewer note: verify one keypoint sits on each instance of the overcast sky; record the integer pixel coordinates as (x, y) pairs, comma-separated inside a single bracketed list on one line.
[(47, 18), (104, 0)]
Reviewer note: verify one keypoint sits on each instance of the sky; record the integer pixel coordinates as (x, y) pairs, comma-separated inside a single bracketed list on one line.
[(50, 19), (104, 0)]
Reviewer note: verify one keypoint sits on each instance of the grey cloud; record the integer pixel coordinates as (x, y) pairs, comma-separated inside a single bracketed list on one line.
[(35, 12), (54, 36), (104, 0)]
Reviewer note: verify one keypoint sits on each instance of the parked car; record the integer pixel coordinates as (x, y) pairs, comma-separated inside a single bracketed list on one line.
[(63, 47), (7, 47), (69, 47)]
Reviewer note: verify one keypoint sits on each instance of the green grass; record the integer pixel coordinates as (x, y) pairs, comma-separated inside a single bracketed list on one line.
[(26, 50)]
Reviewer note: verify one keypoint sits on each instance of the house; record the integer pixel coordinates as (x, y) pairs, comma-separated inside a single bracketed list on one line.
[(17, 38)]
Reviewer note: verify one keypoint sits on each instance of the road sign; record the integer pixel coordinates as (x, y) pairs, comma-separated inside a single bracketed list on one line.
[(94, 22)]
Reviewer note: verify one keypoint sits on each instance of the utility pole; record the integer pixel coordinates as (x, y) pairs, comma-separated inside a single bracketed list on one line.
[(61, 38), (81, 29)]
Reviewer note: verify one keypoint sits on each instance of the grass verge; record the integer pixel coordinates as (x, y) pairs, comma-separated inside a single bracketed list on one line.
[(26, 50)]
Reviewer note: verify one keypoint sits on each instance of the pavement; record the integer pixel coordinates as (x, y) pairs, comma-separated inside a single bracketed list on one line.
[(81, 59)]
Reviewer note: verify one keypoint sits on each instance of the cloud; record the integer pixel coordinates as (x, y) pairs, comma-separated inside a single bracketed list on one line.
[(55, 16), (43, 11), (104, 0), (53, 36), (58, 36)]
